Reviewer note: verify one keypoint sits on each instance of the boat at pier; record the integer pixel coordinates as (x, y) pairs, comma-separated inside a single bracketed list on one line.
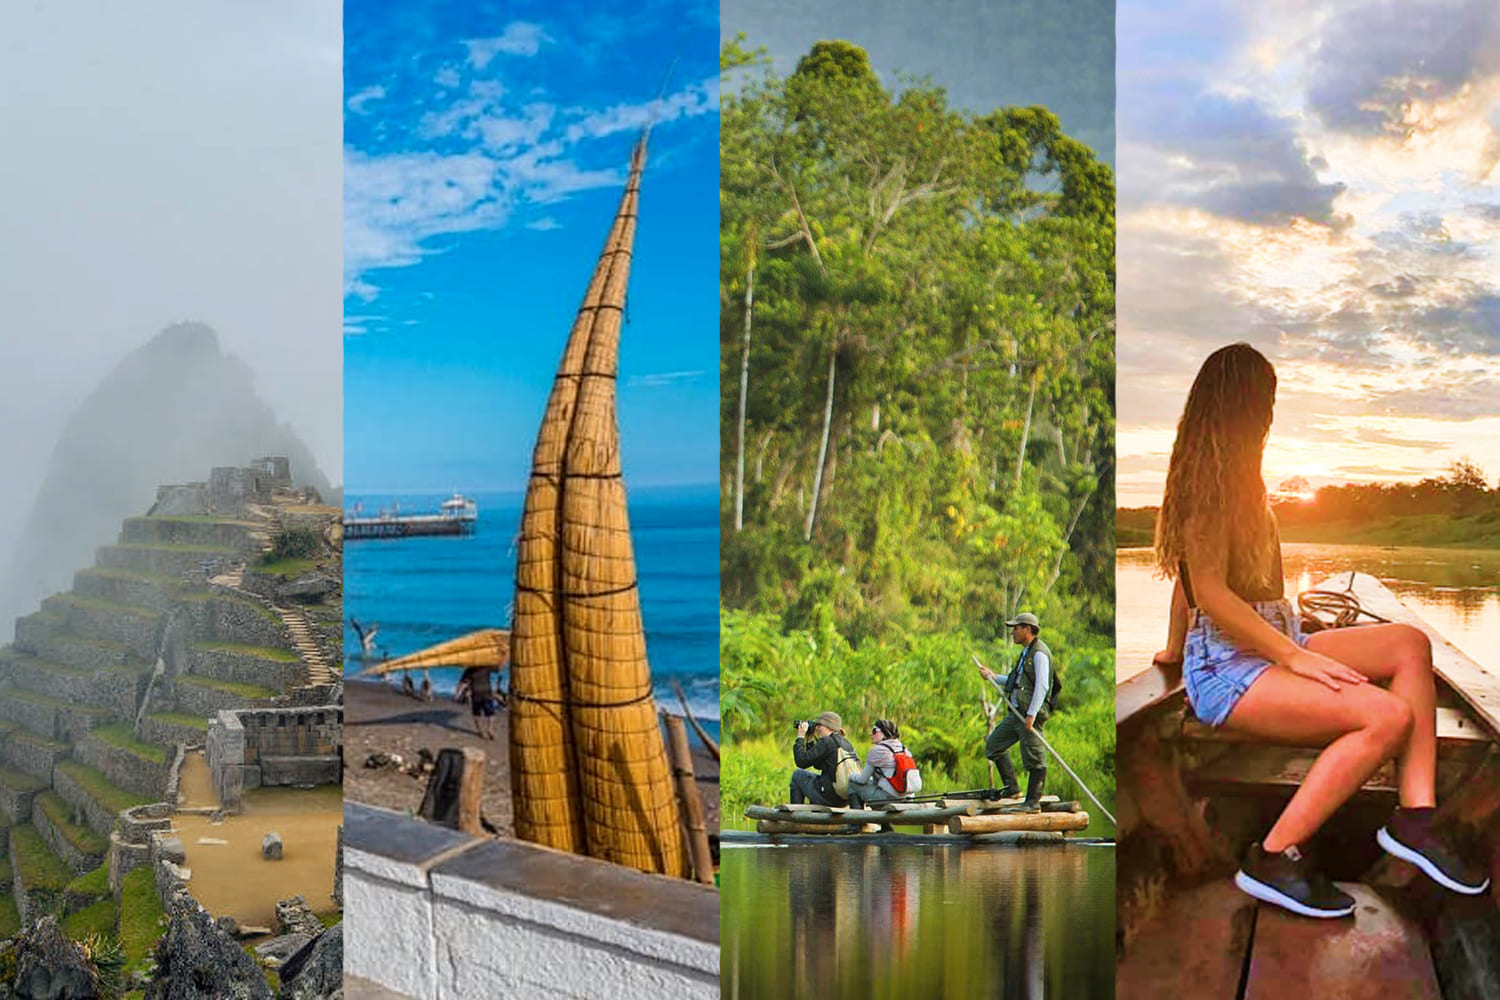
[(458, 515)]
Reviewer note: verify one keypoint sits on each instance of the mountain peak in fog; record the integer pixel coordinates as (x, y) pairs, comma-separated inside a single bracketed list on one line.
[(170, 411)]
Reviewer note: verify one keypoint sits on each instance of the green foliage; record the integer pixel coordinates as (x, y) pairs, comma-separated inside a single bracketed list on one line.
[(10, 917), (294, 543), (88, 888), (60, 815), (926, 683), (928, 419)]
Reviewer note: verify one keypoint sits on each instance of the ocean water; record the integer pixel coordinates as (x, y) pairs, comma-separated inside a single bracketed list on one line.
[(422, 591)]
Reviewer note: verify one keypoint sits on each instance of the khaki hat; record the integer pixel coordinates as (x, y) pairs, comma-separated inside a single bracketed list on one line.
[(1024, 618), (831, 722)]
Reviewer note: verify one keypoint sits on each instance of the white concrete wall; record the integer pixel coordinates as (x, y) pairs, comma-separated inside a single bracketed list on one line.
[(420, 930)]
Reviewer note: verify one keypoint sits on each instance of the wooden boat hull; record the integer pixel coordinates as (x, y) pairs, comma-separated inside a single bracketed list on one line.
[(1193, 798)]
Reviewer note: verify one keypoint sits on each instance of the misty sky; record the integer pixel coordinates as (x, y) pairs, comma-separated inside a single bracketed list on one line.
[(1320, 180), (167, 161)]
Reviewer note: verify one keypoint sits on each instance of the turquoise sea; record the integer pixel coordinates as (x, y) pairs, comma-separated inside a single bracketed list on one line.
[(421, 591)]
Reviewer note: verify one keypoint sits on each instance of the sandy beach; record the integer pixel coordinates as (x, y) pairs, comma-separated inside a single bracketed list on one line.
[(378, 718)]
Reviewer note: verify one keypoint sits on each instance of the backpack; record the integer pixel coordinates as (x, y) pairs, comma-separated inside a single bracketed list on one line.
[(905, 778), (846, 768)]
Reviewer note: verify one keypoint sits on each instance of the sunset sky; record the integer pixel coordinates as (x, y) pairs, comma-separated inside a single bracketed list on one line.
[(1320, 180)]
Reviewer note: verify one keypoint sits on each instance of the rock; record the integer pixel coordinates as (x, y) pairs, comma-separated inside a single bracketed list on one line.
[(294, 916), (172, 850), (316, 972), (270, 846), (50, 967), (196, 960), (277, 950), (254, 930), (228, 925)]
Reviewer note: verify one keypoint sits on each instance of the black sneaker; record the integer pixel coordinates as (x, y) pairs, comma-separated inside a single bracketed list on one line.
[(1409, 837), (1289, 881)]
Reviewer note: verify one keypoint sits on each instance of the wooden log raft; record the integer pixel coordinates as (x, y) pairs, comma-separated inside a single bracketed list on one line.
[(1000, 822), (827, 829), (827, 816)]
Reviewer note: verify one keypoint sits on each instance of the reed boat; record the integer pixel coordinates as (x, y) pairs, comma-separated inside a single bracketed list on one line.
[(950, 820), (1192, 798)]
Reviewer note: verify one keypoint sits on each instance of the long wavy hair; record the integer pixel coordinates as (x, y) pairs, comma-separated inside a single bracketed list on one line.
[(1214, 480)]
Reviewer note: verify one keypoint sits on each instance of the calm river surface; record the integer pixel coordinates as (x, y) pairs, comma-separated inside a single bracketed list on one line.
[(1456, 591), (842, 920)]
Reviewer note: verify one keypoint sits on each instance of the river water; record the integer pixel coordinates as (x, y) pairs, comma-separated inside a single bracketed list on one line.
[(1456, 591), (882, 923)]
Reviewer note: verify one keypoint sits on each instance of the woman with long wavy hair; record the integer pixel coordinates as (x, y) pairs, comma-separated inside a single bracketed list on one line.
[(1247, 665)]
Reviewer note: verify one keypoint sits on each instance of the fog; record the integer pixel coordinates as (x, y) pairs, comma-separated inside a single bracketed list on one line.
[(164, 162)]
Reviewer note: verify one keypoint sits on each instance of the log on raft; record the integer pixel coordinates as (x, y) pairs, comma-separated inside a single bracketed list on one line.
[(1001, 822), (842, 817), (1019, 837), (826, 829)]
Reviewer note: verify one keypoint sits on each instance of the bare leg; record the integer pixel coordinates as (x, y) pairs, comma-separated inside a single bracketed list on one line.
[(1402, 655), (1361, 723)]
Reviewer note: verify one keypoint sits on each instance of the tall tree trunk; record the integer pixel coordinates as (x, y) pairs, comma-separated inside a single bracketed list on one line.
[(812, 508), (1057, 564), (1026, 428), (739, 463)]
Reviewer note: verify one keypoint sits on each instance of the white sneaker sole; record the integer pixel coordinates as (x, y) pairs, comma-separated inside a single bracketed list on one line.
[(1394, 847), (1268, 894)]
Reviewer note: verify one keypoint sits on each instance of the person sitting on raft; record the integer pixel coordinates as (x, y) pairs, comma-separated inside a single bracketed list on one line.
[(823, 752), (878, 781)]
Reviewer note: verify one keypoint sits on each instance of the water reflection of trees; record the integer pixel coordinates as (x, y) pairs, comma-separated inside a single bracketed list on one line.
[(874, 923)]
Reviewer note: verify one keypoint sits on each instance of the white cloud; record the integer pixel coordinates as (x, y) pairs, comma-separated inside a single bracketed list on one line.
[(360, 102), (657, 379), (545, 224), (693, 100), (520, 38), (447, 77)]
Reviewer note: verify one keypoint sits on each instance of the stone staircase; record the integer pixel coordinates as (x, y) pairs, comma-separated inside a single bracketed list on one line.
[(300, 629)]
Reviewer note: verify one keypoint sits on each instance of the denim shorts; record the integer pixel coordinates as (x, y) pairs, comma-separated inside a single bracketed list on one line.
[(1218, 673)]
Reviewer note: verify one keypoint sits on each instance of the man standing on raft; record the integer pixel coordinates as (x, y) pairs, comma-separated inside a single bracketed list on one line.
[(1026, 689)]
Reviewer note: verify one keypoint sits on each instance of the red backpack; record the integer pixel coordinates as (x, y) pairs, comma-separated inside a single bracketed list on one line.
[(905, 764)]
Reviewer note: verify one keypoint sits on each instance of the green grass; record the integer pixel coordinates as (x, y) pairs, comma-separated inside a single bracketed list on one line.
[(247, 691), (96, 918), (60, 815), (57, 703), (169, 547), (286, 567), (20, 781), (36, 866), (10, 917), (91, 885), (331, 918), (113, 607), (122, 736), (181, 719), (128, 575), (99, 788), (5, 875), (40, 742), (141, 915), (260, 652)]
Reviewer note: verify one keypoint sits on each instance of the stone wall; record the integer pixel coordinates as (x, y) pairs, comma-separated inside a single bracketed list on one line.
[(98, 818), (117, 689), (15, 801), (238, 620), (107, 585), (71, 856), (180, 500), (225, 752), (204, 700), (130, 845), (170, 531), (432, 913), (122, 767), (32, 754), (240, 667), (45, 641)]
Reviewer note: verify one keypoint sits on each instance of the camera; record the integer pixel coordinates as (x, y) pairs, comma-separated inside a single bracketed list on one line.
[(809, 723)]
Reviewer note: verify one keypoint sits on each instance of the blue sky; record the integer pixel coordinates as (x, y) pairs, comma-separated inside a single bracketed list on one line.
[(1320, 178), (485, 149)]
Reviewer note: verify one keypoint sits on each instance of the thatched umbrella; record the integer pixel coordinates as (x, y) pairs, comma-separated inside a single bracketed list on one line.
[(488, 647), (588, 769)]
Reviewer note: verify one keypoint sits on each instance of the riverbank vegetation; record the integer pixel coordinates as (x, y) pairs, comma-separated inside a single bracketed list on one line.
[(1456, 510), (917, 361)]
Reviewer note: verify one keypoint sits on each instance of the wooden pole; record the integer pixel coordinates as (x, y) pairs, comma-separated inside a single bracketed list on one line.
[(455, 790), (997, 823), (692, 805), (713, 748), (471, 792)]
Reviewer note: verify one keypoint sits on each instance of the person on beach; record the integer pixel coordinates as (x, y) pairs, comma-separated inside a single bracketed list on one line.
[(827, 749), (1247, 666), (1027, 689), (483, 702), (889, 772)]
